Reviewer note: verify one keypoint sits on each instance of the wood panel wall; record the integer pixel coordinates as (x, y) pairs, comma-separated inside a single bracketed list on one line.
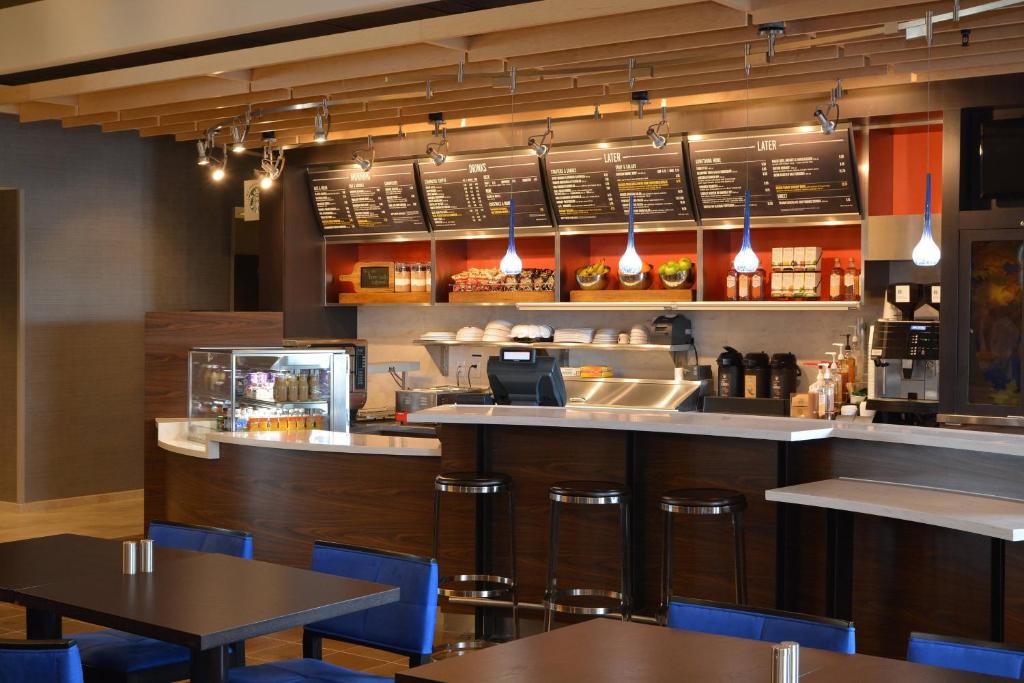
[(168, 338), (11, 330)]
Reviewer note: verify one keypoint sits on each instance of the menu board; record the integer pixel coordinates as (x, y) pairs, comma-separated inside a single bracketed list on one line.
[(789, 173), (591, 185), (467, 192), (349, 200)]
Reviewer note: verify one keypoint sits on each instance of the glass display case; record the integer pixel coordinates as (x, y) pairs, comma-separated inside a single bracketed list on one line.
[(237, 390)]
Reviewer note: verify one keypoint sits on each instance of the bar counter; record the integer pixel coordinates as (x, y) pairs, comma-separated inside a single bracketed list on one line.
[(889, 575)]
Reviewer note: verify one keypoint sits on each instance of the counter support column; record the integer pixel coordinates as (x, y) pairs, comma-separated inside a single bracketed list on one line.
[(998, 591), (787, 533), (839, 573), (634, 480)]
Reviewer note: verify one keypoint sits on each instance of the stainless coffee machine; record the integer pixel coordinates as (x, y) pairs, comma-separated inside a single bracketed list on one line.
[(903, 381)]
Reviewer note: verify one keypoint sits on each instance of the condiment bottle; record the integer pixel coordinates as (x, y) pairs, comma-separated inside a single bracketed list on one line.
[(835, 282), (731, 290), (757, 285), (743, 285), (851, 282)]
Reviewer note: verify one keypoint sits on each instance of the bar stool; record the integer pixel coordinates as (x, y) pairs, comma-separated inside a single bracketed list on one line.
[(696, 502), (563, 600), (476, 586)]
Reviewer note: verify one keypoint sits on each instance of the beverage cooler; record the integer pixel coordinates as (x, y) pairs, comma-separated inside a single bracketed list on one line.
[(264, 389)]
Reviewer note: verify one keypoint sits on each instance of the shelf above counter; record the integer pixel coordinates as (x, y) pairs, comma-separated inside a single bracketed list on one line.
[(693, 306), (557, 345)]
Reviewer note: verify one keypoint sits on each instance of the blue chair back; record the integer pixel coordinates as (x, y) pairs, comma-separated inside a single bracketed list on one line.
[(406, 626), (31, 661), (775, 626), (976, 656), (205, 539)]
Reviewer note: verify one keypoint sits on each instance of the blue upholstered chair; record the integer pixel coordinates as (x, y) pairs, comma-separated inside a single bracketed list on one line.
[(976, 656), (404, 627), (116, 657), (31, 661), (775, 626)]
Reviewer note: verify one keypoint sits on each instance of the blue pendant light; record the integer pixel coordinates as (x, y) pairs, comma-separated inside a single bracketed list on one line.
[(746, 260), (927, 253), (630, 263), (511, 264)]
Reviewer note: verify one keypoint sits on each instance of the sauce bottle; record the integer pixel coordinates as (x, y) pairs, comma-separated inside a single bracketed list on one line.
[(851, 282), (835, 282), (731, 289), (757, 285)]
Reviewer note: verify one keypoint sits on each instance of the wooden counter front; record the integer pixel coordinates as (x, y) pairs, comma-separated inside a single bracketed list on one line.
[(289, 499)]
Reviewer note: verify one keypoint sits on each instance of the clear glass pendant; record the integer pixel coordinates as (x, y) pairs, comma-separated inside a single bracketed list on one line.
[(511, 264), (630, 263), (927, 252), (746, 260)]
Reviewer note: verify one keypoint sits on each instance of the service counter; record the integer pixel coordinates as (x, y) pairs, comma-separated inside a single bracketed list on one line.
[(889, 574)]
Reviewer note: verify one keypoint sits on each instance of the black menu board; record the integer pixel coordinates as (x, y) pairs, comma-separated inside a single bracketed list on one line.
[(591, 185), (790, 173), (349, 200), (473, 191)]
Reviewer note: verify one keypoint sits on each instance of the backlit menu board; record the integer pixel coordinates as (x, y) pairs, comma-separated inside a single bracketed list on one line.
[(349, 200), (467, 192), (789, 173), (591, 185)]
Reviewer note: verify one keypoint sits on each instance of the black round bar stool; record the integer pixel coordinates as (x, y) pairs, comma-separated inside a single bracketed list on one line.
[(575, 600), (477, 586), (699, 502)]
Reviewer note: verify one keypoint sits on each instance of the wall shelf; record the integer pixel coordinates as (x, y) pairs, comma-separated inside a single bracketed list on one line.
[(696, 306)]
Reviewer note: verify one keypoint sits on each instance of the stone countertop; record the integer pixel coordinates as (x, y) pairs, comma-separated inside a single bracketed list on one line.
[(172, 435), (784, 429)]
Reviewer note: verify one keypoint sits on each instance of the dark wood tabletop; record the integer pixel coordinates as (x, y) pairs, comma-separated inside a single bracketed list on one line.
[(203, 601), (606, 650)]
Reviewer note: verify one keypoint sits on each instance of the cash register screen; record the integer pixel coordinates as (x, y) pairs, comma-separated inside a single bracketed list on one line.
[(520, 377)]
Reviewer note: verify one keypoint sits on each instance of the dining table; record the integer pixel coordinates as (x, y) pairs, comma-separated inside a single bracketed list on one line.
[(612, 651), (202, 601)]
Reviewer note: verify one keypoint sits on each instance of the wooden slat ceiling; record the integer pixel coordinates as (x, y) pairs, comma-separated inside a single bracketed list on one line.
[(569, 56)]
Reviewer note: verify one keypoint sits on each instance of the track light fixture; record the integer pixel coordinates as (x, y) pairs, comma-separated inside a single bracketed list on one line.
[(828, 117), (272, 163), (364, 158), (540, 148), (771, 32), (239, 133), (202, 148), (439, 151), (322, 122), (658, 140), (219, 171)]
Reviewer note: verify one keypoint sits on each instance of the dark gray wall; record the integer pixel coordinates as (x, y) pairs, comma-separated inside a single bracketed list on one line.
[(114, 226)]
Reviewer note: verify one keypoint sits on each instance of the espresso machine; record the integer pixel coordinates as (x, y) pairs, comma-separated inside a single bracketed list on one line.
[(903, 375)]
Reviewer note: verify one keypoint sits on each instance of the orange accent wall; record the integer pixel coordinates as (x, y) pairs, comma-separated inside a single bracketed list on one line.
[(654, 248), (899, 161), (720, 247)]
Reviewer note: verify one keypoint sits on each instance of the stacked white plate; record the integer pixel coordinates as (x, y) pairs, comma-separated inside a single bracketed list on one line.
[(498, 331), (574, 335), (640, 334), (438, 336), (606, 335), (469, 334)]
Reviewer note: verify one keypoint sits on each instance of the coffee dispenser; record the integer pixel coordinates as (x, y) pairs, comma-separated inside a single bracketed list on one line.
[(785, 374), (730, 372)]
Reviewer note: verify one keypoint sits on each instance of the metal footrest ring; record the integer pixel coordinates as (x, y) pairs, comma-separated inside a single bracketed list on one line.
[(487, 586), (561, 601), (459, 648)]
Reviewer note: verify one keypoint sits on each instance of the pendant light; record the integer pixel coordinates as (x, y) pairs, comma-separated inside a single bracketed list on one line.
[(630, 263), (927, 252), (511, 264), (746, 260)]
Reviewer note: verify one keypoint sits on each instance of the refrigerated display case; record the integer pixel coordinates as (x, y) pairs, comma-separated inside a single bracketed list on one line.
[(264, 389)]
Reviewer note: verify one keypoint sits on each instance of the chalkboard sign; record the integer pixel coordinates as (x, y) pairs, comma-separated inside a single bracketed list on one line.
[(591, 185), (473, 191), (375, 277), (349, 200), (795, 172)]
